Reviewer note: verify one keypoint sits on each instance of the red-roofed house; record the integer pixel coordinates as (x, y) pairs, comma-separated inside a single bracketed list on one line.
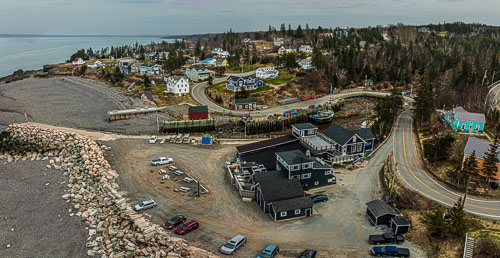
[(78, 61)]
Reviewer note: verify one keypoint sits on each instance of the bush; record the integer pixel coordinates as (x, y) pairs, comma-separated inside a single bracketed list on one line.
[(486, 248), (437, 148)]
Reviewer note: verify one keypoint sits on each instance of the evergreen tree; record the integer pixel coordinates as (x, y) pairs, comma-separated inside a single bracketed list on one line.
[(435, 222), (197, 49), (147, 83), (457, 217), (318, 59), (424, 101), (470, 165), (298, 33), (490, 161)]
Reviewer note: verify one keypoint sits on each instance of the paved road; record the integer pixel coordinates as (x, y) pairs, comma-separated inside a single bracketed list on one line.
[(495, 89), (414, 176), (198, 94)]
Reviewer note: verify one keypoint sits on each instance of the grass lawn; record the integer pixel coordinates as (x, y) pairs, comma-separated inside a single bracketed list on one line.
[(220, 87), (283, 78), (264, 88)]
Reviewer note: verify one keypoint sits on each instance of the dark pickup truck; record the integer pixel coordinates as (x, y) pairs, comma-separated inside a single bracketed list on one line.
[(390, 250), (385, 238)]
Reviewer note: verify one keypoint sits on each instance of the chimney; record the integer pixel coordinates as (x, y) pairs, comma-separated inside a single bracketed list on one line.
[(308, 153)]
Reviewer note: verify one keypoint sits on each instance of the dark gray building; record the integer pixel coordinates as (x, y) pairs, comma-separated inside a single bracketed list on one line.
[(280, 197), (311, 172), (380, 213), (349, 142)]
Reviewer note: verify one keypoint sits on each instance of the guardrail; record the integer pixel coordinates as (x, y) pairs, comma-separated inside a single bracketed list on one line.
[(468, 246)]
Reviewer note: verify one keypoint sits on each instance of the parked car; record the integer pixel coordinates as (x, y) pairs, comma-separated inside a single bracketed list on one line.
[(269, 252), (144, 205), (390, 250), (385, 238), (319, 198), (232, 245), (186, 227), (173, 222), (308, 253), (161, 161), (152, 139)]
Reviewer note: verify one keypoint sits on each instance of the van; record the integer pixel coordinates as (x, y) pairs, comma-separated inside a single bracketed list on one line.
[(232, 245)]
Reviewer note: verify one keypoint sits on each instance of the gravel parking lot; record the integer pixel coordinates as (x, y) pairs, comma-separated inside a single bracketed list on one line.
[(56, 101), (34, 220), (339, 227)]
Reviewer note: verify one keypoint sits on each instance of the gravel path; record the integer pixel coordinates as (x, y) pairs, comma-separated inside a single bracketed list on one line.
[(34, 220)]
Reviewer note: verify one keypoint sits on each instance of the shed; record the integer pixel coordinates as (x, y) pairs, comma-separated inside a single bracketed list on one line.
[(400, 226), (206, 139), (198, 112), (379, 212)]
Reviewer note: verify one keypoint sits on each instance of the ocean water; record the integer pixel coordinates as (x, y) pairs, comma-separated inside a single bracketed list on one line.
[(29, 53)]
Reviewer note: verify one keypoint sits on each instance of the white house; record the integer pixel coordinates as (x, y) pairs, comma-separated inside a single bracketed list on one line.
[(178, 85), (195, 73), (220, 52), (266, 72), (278, 41), (96, 64), (306, 64), (209, 61), (305, 49), (149, 69), (78, 61)]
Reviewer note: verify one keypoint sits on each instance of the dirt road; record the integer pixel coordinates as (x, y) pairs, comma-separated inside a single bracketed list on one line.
[(339, 228)]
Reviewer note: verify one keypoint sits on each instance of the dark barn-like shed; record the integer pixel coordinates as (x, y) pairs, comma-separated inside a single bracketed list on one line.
[(380, 213), (400, 226)]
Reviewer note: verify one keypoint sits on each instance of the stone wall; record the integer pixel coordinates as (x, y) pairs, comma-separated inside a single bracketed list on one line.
[(115, 229)]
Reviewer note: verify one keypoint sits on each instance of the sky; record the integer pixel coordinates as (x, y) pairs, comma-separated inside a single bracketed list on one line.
[(182, 17)]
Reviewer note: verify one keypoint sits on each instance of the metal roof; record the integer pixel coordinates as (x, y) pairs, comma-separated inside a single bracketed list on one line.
[(292, 204), (304, 126), (478, 145), (380, 208)]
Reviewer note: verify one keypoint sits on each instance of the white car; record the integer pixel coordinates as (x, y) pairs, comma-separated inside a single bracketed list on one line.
[(144, 205), (161, 161), (152, 139), (232, 245)]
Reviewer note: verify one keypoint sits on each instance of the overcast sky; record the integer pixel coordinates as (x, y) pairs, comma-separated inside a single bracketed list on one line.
[(168, 17)]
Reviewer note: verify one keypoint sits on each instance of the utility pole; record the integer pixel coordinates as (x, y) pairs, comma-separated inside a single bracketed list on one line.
[(157, 123), (484, 77), (466, 190)]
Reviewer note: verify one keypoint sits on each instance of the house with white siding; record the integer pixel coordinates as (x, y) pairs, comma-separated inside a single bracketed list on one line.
[(178, 85), (267, 72)]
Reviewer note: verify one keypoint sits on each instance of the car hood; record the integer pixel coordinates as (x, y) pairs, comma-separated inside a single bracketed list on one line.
[(137, 207), (225, 249)]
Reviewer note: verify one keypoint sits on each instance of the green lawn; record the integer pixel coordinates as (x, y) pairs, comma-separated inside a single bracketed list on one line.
[(264, 88), (283, 78), (220, 87)]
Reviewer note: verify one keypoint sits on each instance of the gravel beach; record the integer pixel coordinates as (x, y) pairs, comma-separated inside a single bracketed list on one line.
[(34, 220), (58, 102)]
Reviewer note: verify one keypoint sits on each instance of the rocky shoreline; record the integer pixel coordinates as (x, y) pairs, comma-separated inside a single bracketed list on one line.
[(115, 229)]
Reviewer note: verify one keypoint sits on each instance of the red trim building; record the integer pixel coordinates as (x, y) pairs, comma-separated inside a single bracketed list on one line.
[(198, 112)]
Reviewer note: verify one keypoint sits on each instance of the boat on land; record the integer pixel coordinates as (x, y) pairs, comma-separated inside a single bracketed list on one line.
[(323, 116)]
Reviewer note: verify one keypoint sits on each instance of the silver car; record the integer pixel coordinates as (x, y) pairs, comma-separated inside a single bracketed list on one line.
[(144, 205), (232, 245)]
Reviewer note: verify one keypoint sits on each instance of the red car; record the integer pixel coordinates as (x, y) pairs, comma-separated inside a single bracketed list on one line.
[(186, 227), (173, 222)]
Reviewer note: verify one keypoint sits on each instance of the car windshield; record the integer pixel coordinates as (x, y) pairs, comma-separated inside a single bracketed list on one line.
[(382, 249), (229, 245), (141, 204), (184, 226), (171, 221)]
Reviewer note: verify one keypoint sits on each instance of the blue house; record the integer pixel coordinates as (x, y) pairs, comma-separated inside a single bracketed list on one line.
[(463, 121)]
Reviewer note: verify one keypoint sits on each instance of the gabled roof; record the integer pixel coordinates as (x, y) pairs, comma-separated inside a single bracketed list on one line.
[(464, 115), (275, 188), (304, 126), (292, 204), (380, 208), (198, 109), (478, 145), (294, 157), (341, 135), (244, 101), (400, 221), (177, 78)]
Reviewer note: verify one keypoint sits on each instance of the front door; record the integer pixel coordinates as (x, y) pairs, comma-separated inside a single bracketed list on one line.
[(344, 150), (470, 129), (308, 212)]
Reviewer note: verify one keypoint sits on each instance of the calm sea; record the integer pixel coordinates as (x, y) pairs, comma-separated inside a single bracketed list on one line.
[(30, 53)]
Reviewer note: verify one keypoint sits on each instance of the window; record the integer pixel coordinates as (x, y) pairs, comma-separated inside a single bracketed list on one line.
[(296, 167), (306, 166), (328, 172), (360, 146), (296, 177), (297, 211), (316, 183), (306, 176), (283, 214), (354, 139)]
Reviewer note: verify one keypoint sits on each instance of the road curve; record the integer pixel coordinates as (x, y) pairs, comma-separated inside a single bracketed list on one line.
[(198, 94), (416, 178), (495, 90)]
